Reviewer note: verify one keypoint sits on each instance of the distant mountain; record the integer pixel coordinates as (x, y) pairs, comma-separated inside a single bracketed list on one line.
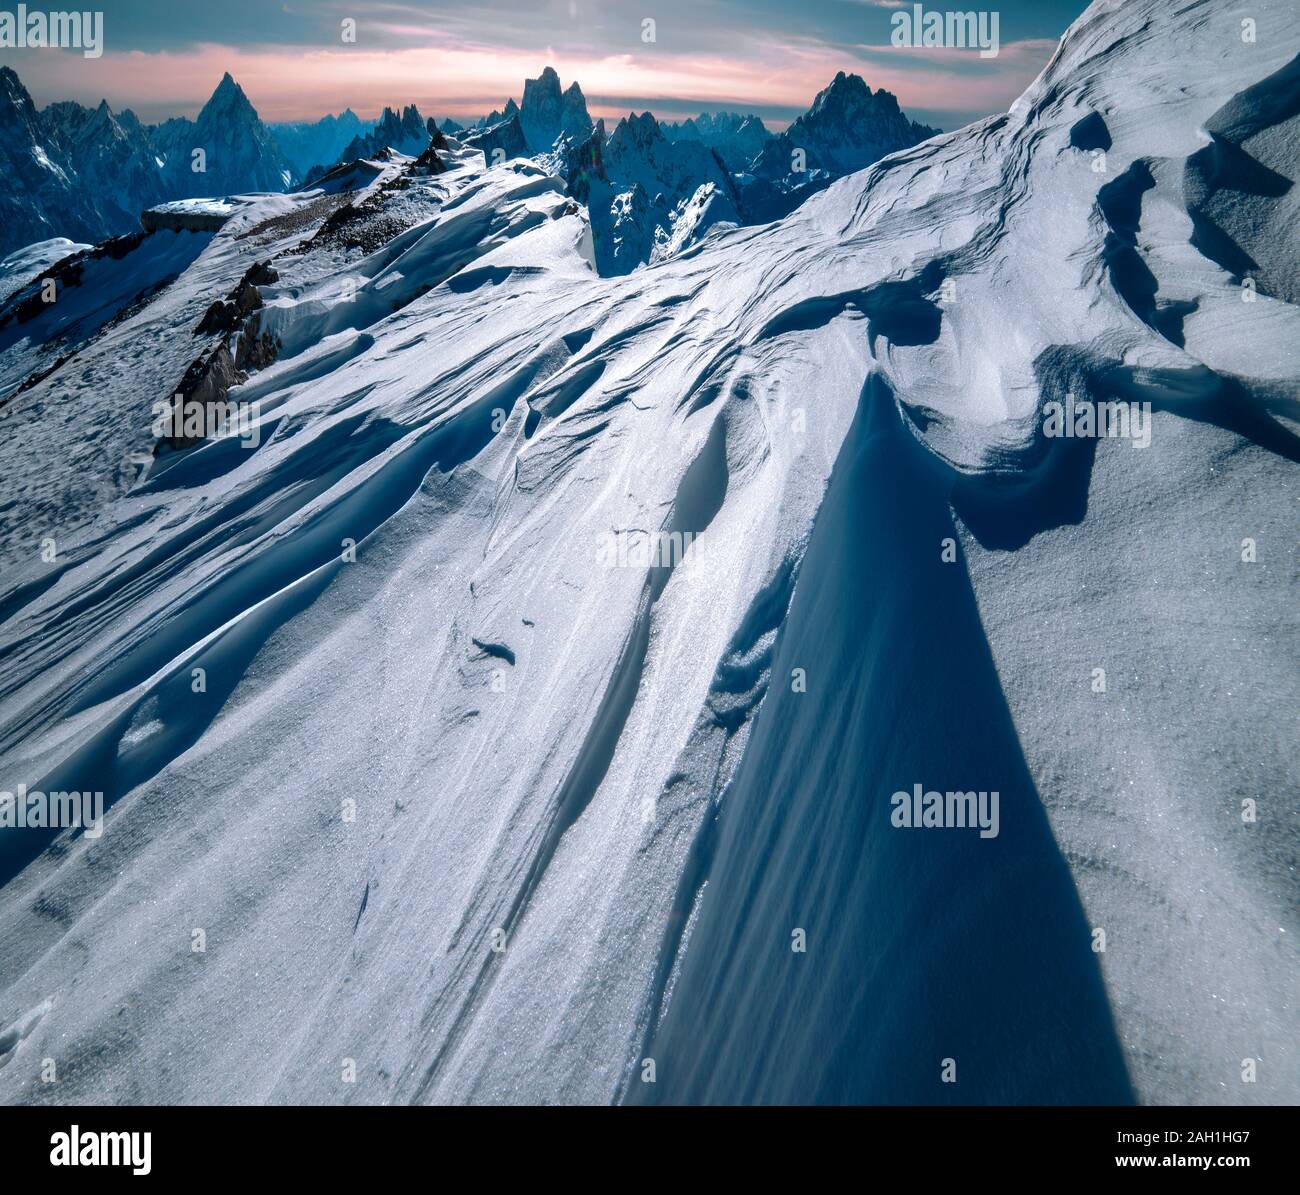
[(41, 157), (649, 197), (737, 139), (646, 196), (506, 136), (88, 173), (239, 152), (652, 190), (849, 126), (304, 144), (546, 113), (407, 133), (112, 158)]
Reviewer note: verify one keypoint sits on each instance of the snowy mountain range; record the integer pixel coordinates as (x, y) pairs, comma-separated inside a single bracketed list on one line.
[(88, 173), (407, 132), (649, 197), (499, 667), (652, 190), (306, 144), (737, 139)]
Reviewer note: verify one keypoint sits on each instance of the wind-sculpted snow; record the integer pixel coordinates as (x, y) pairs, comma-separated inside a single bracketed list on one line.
[(539, 664)]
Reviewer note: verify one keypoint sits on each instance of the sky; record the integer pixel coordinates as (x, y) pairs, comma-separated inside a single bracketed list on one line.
[(459, 59)]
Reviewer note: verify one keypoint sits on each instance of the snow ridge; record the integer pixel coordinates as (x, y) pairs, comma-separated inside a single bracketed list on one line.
[(460, 795)]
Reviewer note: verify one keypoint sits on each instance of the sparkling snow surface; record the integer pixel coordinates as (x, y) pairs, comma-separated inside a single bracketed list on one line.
[(641, 780)]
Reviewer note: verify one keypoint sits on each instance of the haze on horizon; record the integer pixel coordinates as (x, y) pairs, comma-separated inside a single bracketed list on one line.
[(461, 59)]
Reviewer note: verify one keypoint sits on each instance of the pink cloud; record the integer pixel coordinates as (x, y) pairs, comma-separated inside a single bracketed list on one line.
[(469, 80)]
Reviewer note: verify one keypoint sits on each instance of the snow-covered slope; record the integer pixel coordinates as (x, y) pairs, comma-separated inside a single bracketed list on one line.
[(494, 716), (22, 265), (69, 302)]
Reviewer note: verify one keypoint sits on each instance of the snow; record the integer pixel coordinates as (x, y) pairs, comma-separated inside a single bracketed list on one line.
[(641, 781), (22, 265), (86, 301), (214, 207)]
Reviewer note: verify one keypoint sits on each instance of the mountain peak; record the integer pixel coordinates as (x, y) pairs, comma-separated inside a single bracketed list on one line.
[(545, 113), (228, 89), (633, 130), (843, 88), (228, 102), (849, 126), (12, 85)]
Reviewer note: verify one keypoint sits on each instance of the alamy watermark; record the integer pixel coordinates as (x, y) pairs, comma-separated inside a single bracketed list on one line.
[(86, 1147), (951, 30), (920, 810), (645, 549), (1087, 420), (191, 419), (36, 810), (24, 29)]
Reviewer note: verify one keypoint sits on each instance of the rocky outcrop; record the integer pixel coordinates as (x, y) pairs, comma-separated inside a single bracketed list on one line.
[(225, 314), (244, 348)]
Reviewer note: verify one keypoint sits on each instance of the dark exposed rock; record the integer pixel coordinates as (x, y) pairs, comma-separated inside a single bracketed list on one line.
[(849, 126), (586, 164), (407, 133), (243, 349), (429, 162), (225, 314)]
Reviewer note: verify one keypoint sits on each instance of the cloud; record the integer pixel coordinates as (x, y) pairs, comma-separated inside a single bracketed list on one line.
[(448, 74)]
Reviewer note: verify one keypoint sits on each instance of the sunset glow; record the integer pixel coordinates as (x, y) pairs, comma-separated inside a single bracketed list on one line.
[(463, 79)]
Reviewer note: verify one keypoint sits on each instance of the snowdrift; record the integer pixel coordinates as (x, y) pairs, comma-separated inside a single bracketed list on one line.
[(427, 782)]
